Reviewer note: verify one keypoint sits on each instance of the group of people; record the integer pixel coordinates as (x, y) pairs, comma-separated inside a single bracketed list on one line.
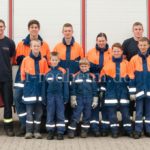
[(63, 85)]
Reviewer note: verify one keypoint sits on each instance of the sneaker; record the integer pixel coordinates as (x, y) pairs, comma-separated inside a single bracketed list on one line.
[(28, 135), (60, 136), (37, 135), (115, 135), (50, 135), (137, 135), (71, 135), (83, 134), (9, 132), (21, 132)]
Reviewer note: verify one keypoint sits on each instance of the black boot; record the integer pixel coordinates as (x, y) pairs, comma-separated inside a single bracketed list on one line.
[(96, 133), (147, 134), (21, 132), (83, 134), (137, 135), (104, 133), (71, 135), (60, 136), (115, 135), (9, 132), (50, 135)]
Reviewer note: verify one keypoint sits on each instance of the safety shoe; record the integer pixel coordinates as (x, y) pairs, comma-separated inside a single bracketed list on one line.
[(147, 134), (115, 135), (28, 135), (104, 133), (137, 135), (60, 136), (83, 134), (9, 132), (96, 133), (21, 132), (50, 135), (71, 135), (37, 135)]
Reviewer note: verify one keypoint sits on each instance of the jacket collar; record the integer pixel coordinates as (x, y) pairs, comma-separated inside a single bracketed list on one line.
[(35, 58), (144, 56), (117, 60), (71, 43), (102, 49), (27, 40)]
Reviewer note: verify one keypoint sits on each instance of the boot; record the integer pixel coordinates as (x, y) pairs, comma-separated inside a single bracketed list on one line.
[(9, 132), (50, 135), (37, 135), (28, 135), (60, 136), (21, 132), (83, 134), (137, 135), (71, 135)]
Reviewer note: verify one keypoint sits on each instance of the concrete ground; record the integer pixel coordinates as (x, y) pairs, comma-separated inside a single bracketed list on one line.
[(90, 143)]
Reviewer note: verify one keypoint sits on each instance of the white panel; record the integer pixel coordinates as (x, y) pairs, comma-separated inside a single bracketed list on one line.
[(115, 18), (4, 7), (52, 14)]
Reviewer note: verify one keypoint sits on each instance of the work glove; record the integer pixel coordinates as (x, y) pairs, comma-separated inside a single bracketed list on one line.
[(73, 101), (132, 97), (94, 102)]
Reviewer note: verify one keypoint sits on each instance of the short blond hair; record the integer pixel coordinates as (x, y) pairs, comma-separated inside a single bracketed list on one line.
[(84, 61)]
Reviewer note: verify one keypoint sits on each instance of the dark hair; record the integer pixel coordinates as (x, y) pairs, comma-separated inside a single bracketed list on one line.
[(118, 45), (54, 54), (3, 22), (144, 39), (31, 22), (101, 35)]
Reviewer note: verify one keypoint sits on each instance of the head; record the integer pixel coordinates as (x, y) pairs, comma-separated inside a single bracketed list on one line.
[(35, 46), (143, 44), (101, 40), (137, 30), (117, 50), (84, 65), (67, 30), (2, 27), (33, 27), (54, 60)]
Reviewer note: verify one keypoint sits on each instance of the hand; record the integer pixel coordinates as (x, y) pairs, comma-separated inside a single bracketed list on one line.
[(73, 101), (95, 102), (132, 97)]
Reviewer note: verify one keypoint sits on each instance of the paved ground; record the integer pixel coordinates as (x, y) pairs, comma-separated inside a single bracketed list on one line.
[(91, 143)]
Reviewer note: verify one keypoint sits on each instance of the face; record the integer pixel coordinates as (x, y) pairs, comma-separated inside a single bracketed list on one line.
[(143, 46), (138, 31), (54, 61), (67, 32), (34, 30), (84, 68), (35, 47), (117, 52), (2, 28), (101, 42)]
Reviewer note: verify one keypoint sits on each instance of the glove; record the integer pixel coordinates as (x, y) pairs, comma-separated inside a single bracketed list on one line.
[(73, 101), (132, 97), (95, 102), (101, 95)]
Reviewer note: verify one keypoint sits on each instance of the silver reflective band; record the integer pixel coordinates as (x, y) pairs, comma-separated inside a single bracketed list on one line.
[(124, 101), (140, 94), (105, 122), (88, 80), (94, 121), (147, 121), (50, 79), (31, 98), (138, 121), (148, 93), (111, 101), (78, 80), (37, 122), (51, 126), (18, 84), (66, 121), (23, 114), (132, 89), (29, 122), (60, 125), (85, 126), (71, 128), (59, 77), (114, 125), (127, 125)]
